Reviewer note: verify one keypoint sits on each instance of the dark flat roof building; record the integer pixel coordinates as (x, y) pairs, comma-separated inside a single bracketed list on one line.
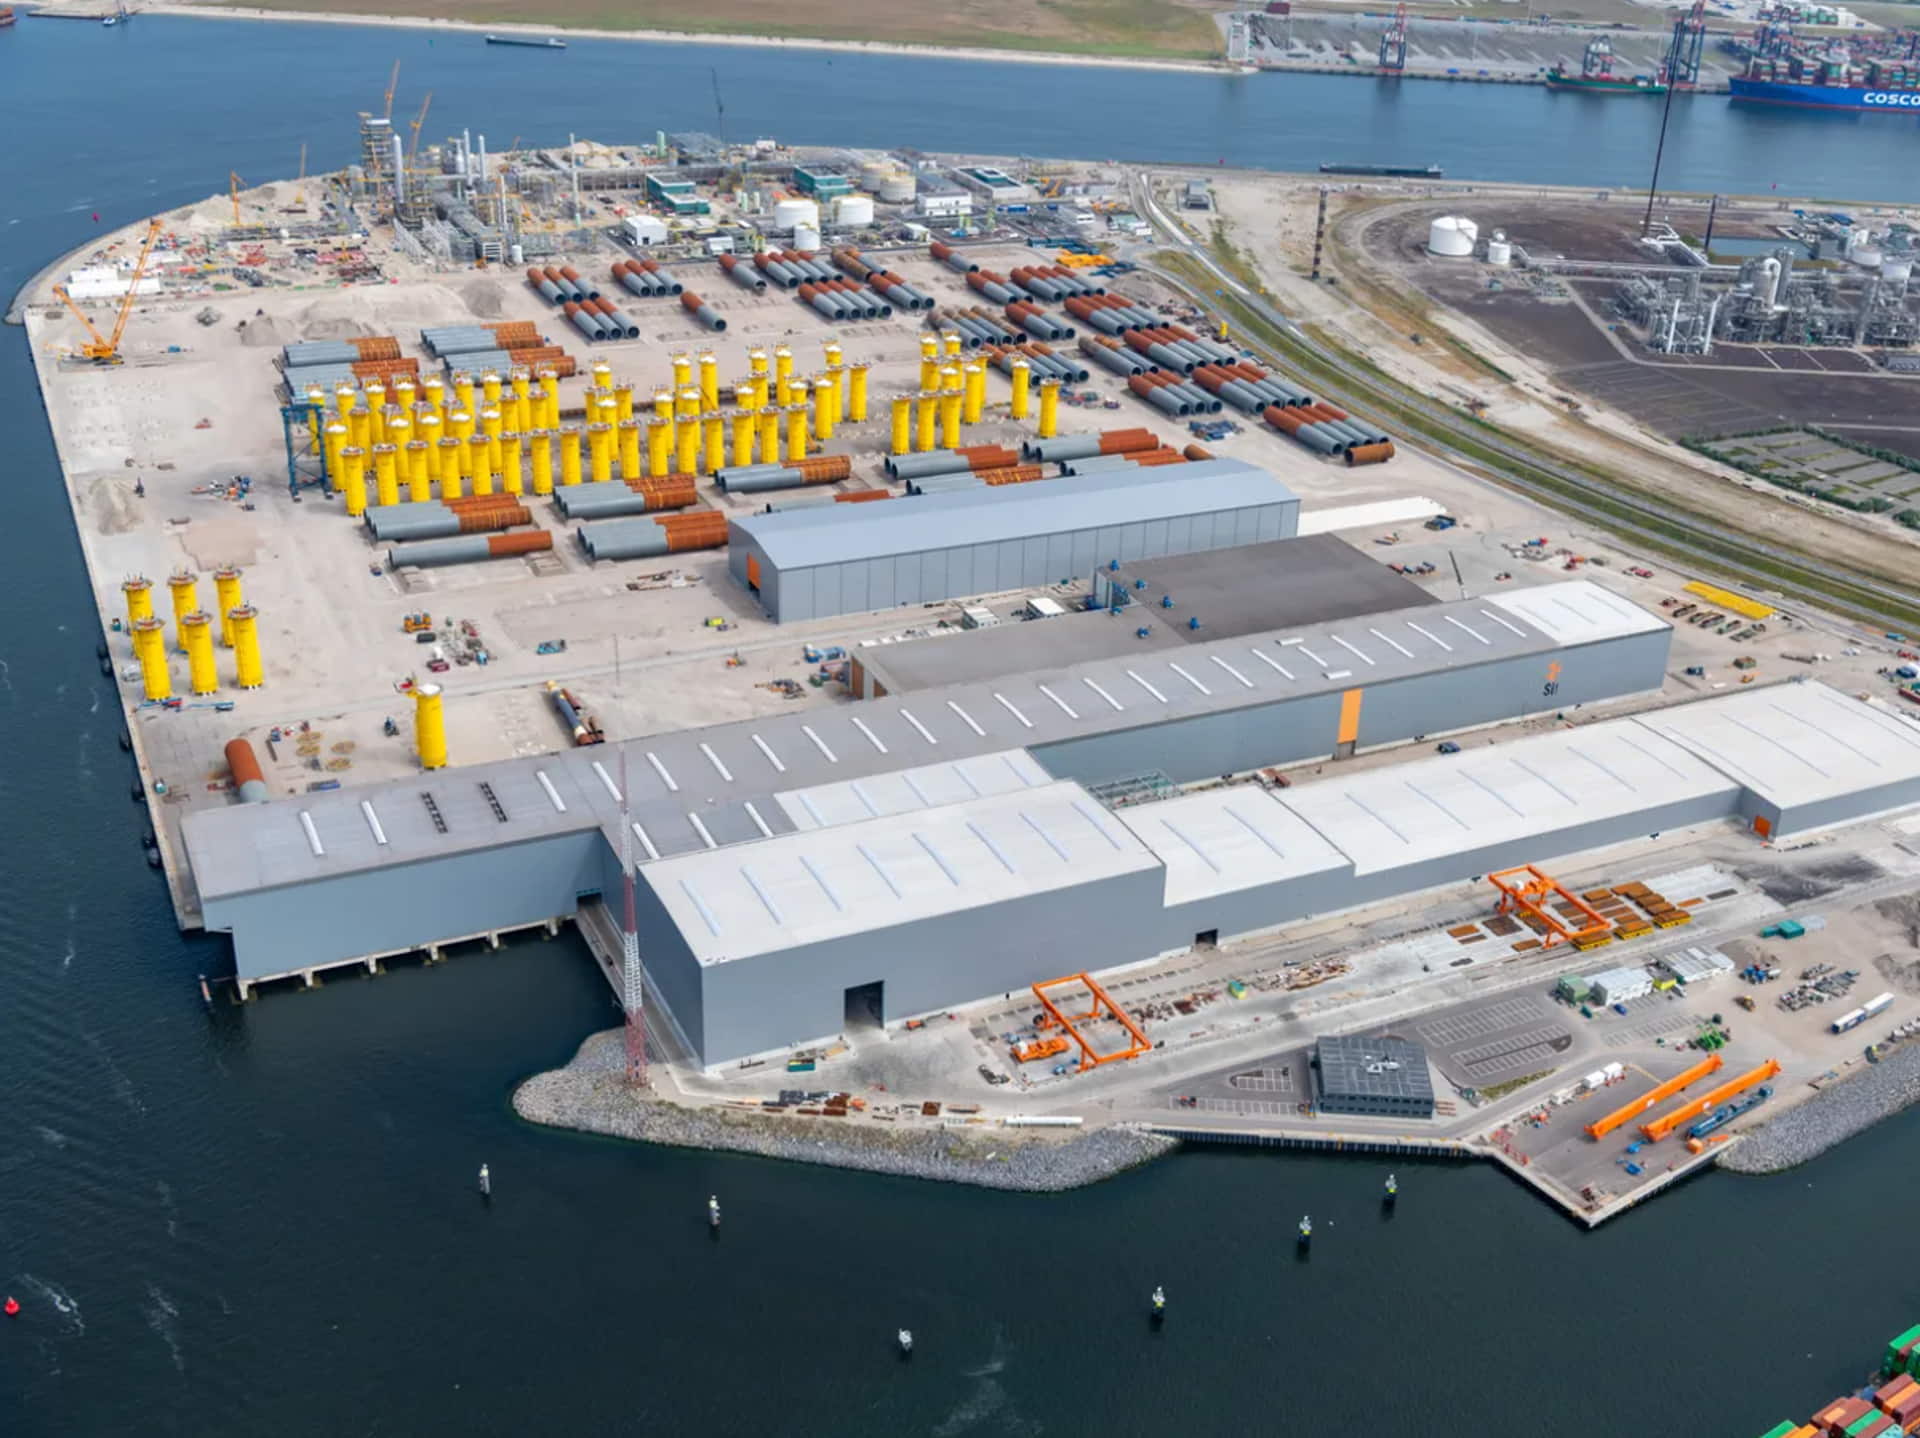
[(1384, 1077)]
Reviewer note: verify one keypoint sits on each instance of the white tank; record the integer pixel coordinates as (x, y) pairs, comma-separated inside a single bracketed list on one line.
[(872, 172), (852, 212), (1868, 257), (806, 237), (1452, 236), (1769, 282), (788, 213), (1897, 268), (1499, 249), (898, 188), (516, 255)]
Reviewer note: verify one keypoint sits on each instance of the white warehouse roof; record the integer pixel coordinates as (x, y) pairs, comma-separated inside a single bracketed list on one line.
[(1411, 813), (1217, 841), (799, 889), (927, 786), (1577, 612), (1796, 744)]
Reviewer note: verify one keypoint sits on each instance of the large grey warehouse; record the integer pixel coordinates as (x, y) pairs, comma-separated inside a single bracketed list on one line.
[(948, 840), (815, 563)]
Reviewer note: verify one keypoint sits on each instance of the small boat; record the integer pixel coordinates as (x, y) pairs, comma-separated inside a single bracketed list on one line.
[(1393, 1188), (713, 1211), (1306, 1228), (905, 1339), (528, 42), (486, 1181), (1159, 1301)]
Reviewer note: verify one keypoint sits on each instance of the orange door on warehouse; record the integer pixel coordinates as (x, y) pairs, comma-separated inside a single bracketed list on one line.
[(1349, 732)]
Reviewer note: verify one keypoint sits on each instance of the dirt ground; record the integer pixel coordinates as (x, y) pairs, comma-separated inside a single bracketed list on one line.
[(1172, 28), (1462, 355)]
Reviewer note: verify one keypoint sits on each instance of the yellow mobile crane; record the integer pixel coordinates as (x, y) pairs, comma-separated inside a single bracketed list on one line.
[(101, 349)]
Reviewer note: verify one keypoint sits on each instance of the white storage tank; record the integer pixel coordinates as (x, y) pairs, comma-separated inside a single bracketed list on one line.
[(806, 237), (1452, 236), (1499, 249), (898, 187), (1898, 269), (789, 213), (852, 212)]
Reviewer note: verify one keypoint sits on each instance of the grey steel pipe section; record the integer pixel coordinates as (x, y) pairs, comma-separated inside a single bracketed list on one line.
[(829, 305), (1162, 399), (1241, 398), (711, 318), (668, 284), (431, 552), (313, 352), (797, 501), (784, 275), (623, 539), (945, 483), (640, 285), (760, 483), (1120, 362), (924, 465), (1315, 436), (619, 321), (1065, 446), (745, 277), (589, 324), (1095, 463), (1199, 399), (1000, 294), (605, 506), (1167, 359), (1040, 327)]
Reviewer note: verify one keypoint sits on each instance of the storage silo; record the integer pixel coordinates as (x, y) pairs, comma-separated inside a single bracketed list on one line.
[(1452, 237), (852, 212), (1499, 249), (791, 212)]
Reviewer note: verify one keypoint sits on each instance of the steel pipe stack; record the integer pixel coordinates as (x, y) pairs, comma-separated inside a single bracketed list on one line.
[(897, 291), (647, 537), (946, 483), (782, 275), (755, 478), (742, 275), (1085, 446), (702, 311), (993, 286), (951, 258), (587, 321), (1111, 355), (440, 519), (624, 327), (1035, 322), (606, 501), (1048, 363), (468, 548)]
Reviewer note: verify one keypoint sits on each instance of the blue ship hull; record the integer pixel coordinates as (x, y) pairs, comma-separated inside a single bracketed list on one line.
[(1857, 98)]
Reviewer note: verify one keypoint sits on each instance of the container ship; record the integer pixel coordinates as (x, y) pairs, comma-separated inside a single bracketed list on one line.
[(1596, 75), (1830, 82), (1885, 1408)]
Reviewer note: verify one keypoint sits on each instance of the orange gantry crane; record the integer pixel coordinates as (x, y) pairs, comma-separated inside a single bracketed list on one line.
[(1103, 1008), (1541, 895), (105, 349), (1660, 1127), (1628, 1112)]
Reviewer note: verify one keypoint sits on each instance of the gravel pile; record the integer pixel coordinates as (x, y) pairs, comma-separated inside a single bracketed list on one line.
[(590, 1095), (1834, 1114)]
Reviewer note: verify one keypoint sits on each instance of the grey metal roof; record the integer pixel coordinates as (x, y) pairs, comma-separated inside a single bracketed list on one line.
[(802, 538), (1374, 1068), (719, 782)]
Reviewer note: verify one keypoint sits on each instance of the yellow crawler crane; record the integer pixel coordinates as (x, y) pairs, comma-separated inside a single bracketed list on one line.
[(103, 349)]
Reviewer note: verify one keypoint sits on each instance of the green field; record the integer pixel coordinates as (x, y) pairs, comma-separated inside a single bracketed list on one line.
[(1166, 29)]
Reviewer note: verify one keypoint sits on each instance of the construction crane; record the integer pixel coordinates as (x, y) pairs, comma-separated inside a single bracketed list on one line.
[(393, 83), (234, 182), (1393, 44), (103, 349), (300, 185), (413, 144)]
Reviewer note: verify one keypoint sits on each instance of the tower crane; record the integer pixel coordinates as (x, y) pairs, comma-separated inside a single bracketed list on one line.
[(300, 185), (413, 144), (103, 349), (234, 182), (393, 83)]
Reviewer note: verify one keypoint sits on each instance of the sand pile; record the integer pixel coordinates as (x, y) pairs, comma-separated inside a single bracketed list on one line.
[(262, 333), (484, 300)]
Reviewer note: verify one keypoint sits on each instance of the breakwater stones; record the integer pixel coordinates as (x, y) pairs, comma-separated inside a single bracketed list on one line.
[(1831, 1116), (590, 1095)]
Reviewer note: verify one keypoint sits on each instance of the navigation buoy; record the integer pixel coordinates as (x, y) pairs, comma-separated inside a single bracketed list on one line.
[(12, 1306)]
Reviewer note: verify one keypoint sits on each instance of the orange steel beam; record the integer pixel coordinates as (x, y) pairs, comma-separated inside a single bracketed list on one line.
[(1529, 890), (1660, 1127), (1626, 1113), (1089, 1056)]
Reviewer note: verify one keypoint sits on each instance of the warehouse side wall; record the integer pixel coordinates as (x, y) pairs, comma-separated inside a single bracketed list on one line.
[(1249, 911), (927, 576), (1799, 818), (778, 1000), (377, 911), (1293, 730)]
